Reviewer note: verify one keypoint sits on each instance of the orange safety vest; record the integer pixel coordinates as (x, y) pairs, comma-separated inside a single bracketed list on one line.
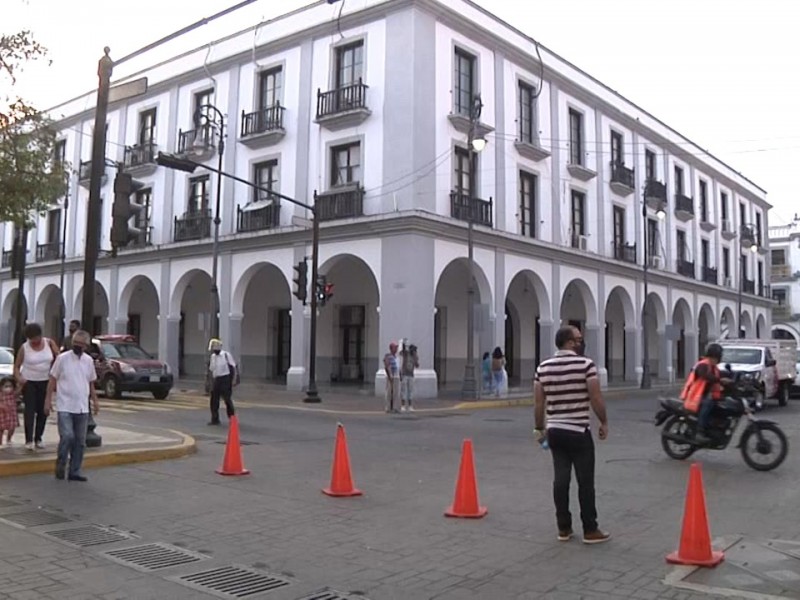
[(695, 388)]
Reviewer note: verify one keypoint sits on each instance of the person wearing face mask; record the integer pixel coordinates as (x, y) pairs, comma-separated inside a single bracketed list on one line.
[(566, 389), (224, 376), (72, 382)]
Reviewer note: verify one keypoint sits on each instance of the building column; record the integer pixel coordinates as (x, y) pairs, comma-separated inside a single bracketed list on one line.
[(633, 354), (225, 287), (168, 332), (689, 350), (664, 358), (407, 296), (594, 338), (234, 338), (547, 337), (499, 328), (119, 325), (297, 376)]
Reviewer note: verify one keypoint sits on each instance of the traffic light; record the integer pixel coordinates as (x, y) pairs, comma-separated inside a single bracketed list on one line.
[(124, 210), (301, 281), (324, 290)]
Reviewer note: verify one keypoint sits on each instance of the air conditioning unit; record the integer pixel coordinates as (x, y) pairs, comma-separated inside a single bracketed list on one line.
[(583, 242), (728, 282), (654, 262)]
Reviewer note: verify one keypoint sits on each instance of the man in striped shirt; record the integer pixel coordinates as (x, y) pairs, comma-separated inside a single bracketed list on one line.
[(565, 387)]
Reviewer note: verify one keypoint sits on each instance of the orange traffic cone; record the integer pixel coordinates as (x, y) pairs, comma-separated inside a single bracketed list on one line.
[(341, 478), (232, 463), (695, 547), (465, 504)]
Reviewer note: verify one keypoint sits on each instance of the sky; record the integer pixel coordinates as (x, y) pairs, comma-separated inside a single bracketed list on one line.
[(723, 73)]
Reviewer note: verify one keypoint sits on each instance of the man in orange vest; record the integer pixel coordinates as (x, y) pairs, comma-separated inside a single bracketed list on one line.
[(703, 389)]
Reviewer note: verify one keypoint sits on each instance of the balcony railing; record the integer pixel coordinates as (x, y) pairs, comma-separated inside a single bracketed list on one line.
[(257, 219), (140, 155), (350, 97), (710, 275), (764, 290), (781, 271), (193, 226), (684, 207), (625, 252), (48, 251), (622, 175), (263, 120), (197, 140), (655, 190), (686, 268), (7, 254), (749, 286), (340, 203), (782, 311), (480, 213)]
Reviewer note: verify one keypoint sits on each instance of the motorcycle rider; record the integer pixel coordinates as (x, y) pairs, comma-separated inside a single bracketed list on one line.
[(703, 389)]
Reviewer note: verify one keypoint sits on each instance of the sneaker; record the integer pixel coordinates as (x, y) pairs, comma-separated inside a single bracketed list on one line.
[(403, 409), (39, 446), (596, 537), (411, 409), (214, 423), (565, 535), (77, 478), (29, 446)]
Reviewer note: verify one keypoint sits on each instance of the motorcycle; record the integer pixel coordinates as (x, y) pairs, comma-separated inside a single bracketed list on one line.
[(678, 436)]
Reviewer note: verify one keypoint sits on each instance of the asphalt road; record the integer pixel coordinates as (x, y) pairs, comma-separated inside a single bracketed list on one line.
[(394, 541)]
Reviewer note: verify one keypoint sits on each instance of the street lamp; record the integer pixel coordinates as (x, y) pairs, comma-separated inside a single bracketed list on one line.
[(661, 214), (747, 239), (210, 117), (476, 143)]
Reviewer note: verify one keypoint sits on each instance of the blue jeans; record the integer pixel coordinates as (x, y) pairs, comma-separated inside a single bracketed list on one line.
[(704, 413), (72, 433)]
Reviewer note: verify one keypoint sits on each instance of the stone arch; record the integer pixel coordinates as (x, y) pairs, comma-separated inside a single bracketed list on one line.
[(527, 307), (783, 331), (707, 330), (727, 324), (620, 332), (180, 289), (48, 312), (655, 322), (139, 310), (747, 325), (241, 286), (101, 309), (9, 314), (578, 304), (683, 337), (191, 305), (131, 288), (761, 326)]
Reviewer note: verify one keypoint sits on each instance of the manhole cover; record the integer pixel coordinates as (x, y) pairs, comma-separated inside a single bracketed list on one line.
[(88, 535), (332, 595), (233, 582), (6, 503), (34, 518), (151, 557)]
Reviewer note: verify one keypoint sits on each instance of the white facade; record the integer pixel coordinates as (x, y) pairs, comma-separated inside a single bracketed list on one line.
[(785, 255), (394, 238)]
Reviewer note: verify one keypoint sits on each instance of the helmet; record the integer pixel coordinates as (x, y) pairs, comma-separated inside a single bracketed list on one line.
[(714, 351)]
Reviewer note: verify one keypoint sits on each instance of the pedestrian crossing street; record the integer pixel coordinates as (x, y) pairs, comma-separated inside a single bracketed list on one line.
[(143, 404)]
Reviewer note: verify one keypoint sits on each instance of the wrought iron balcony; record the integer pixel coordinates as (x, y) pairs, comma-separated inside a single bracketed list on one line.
[(625, 252), (257, 219), (764, 290), (686, 268), (263, 127), (782, 311), (623, 180), (340, 203), (655, 194), (85, 174), (141, 158), (710, 275), (193, 226), (343, 107), (7, 254), (200, 143), (48, 251), (749, 286), (464, 208), (782, 272), (684, 207)]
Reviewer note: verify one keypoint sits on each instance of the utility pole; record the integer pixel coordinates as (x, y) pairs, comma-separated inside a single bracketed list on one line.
[(104, 70)]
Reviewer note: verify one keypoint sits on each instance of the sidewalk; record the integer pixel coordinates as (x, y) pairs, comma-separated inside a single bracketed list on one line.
[(122, 444)]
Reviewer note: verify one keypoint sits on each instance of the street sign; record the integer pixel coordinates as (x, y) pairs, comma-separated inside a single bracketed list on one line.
[(137, 87), (302, 222)]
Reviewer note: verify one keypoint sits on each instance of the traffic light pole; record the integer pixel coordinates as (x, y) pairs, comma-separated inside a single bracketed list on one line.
[(312, 396), (21, 242)]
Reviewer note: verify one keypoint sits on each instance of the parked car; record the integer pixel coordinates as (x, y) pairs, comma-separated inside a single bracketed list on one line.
[(6, 361), (122, 365), (796, 384)]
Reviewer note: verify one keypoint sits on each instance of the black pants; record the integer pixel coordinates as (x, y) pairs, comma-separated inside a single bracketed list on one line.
[(221, 386), (570, 449), (34, 395)]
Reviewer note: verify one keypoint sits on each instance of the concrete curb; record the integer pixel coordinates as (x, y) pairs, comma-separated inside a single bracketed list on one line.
[(110, 458)]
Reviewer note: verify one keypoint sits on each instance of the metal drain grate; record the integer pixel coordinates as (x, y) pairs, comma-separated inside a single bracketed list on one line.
[(328, 594), (34, 518), (233, 582), (151, 557), (88, 535)]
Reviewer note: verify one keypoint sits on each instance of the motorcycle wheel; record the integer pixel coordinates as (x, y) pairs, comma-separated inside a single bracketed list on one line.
[(764, 447), (676, 426)]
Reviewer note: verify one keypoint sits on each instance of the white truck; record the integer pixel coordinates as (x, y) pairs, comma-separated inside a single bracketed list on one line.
[(771, 363)]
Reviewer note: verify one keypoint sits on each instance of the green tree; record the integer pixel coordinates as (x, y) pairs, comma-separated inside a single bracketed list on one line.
[(31, 178)]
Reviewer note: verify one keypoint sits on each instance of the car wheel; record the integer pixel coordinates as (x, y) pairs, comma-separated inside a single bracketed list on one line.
[(111, 387), (161, 395)]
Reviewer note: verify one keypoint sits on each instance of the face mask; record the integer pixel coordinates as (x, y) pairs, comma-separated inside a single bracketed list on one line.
[(8, 390), (217, 351), (77, 350), (580, 349)]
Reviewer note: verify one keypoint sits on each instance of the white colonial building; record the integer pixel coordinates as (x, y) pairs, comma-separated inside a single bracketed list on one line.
[(784, 242), (371, 113)]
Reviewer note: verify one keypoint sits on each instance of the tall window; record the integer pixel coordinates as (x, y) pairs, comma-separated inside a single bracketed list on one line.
[(203, 98), (779, 295), (778, 257), (144, 198), (199, 189), (726, 263), (575, 137), (681, 242), (616, 148), (60, 152), (147, 127), (743, 262), (650, 171), (723, 205), (678, 181), (349, 64), (705, 253), (464, 65), (760, 272), (527, 116), (742, 215), (703, 201), (578, 215), (653, 241), (269, 87), (759, 239), (265, 175), (54, 226), (346, 164), (527, 203), (619, 227), (462, 171)]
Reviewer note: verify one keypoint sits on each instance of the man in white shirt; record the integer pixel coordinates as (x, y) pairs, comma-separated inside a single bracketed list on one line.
[(222, 368), (72, 381)]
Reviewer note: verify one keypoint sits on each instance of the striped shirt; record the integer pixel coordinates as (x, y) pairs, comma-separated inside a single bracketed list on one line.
[(564, 379)]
